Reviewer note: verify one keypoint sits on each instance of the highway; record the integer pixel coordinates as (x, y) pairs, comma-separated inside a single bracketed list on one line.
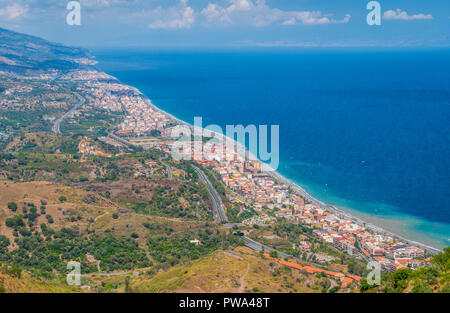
[(218, 208), (254, 245), (220, 216), (57, 126), (119, 140)]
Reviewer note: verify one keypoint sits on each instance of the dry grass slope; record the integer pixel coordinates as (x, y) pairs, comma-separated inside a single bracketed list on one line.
[(29, 284), (240, 270)]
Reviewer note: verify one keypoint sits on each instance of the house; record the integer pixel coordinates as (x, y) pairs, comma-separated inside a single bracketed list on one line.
[(195, 242)]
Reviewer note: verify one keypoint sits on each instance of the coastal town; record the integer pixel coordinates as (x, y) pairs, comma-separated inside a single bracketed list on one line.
[(248, 183), (102, 191)]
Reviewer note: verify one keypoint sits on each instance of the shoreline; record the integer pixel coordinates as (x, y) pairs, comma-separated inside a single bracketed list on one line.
[(341, 213)]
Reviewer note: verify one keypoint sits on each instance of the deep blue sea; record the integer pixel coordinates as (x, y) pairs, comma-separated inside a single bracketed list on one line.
[(368, 131)]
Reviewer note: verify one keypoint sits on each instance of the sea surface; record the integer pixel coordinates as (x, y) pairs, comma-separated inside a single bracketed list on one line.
[(365, 130)]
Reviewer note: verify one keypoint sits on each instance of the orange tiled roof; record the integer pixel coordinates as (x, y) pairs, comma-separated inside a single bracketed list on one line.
[(346, 281), (355, 277)]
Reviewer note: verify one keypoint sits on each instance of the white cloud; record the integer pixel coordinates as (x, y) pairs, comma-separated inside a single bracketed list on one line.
[(258, 13), (402, 15), (291, 21), (98, 4), (157, 14), (214, 12), (317, 17), (13, 11), (175, 17)]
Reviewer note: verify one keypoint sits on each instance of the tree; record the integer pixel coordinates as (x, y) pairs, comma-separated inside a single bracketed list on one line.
[(365, 286), (49, 219), (62, 199), (15, 271), (421, 287), (15, 221), (442, 260), (12, 206), (402, 274), (334, 289), (4, 242), (445, 288)]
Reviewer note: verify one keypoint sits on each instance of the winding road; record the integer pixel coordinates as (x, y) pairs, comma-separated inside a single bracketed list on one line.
[(57, 126), (218, 208)]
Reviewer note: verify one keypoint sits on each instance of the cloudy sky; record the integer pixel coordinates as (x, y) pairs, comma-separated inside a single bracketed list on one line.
[(233, 23)]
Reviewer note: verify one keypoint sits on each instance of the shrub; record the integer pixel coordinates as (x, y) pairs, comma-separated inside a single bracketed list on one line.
[(12, 206), (49, 219), (15, 221), (4, 242)]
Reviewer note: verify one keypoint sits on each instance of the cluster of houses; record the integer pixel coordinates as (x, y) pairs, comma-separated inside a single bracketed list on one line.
[(17, 93), (106, 93), (345, 279), (146, 169), (251, 186), (357, 241), (86, 148), (142, 118)]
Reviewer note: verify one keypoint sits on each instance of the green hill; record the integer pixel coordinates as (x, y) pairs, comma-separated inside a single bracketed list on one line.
[(24, 53)]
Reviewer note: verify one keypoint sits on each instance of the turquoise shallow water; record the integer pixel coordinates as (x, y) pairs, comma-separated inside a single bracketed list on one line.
[(367, 131), (434, 234)]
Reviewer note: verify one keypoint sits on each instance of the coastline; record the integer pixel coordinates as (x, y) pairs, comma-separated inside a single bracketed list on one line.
[(342, 213)]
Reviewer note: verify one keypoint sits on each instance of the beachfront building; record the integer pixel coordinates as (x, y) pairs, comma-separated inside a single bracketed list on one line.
[(246, 182)]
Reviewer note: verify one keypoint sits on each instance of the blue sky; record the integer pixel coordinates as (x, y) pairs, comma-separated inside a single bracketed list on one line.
[(233, 23)]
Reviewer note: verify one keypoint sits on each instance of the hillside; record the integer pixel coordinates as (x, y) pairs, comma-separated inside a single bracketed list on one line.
[(24, 53), (433, 279), (136, 218), (130, 233), (11, 282), (238, 270)]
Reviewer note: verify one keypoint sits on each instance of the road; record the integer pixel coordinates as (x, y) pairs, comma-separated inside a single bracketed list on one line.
[(169, 172), (120, 140), (57, 126), (254, 245), (219, 214), (218, 208), (168, 168)]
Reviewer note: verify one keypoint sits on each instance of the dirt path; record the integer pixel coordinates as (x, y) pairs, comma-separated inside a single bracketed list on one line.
[(241, 289), (104, 214)]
